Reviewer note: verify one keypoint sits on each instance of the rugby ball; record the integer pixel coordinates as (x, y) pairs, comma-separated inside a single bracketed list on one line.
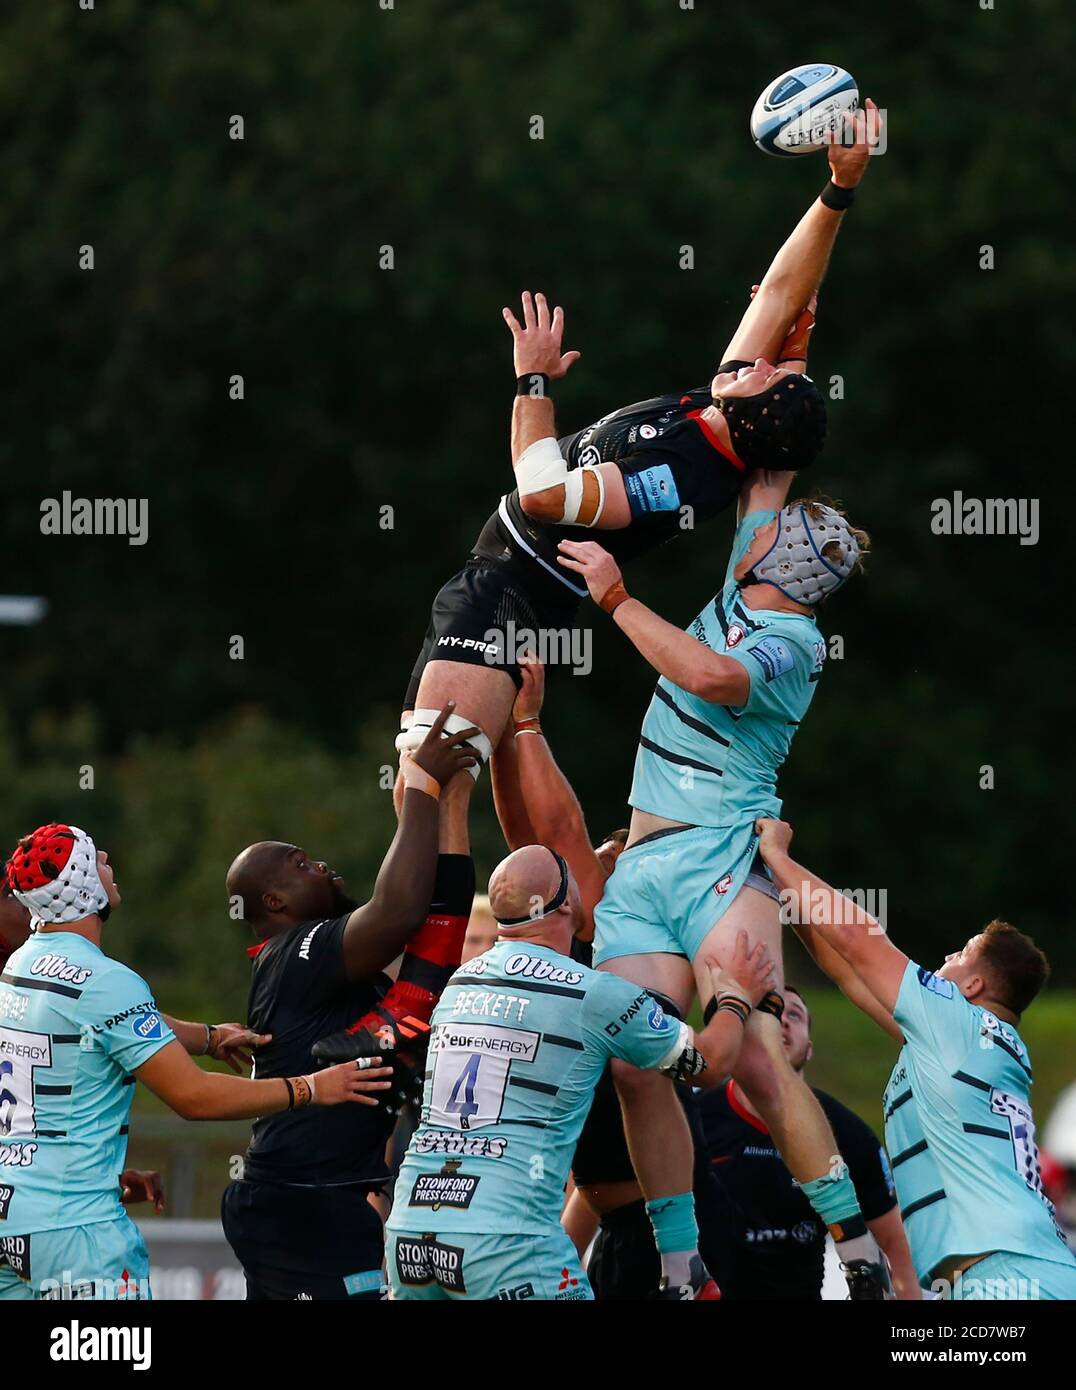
[(794, 112)]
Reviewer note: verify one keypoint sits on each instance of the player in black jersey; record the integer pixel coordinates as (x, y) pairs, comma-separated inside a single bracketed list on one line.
[(299, 1220), (643, 474), (774, 1244)]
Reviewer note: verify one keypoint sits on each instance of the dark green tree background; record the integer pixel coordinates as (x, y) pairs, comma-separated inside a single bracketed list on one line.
[(367, 388)]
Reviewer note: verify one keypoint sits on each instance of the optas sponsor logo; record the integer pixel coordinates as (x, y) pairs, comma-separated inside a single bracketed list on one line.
[(17, 1155), (60, 968), (536, 968), (429, 1261), (77, 1343), (459, 1145)]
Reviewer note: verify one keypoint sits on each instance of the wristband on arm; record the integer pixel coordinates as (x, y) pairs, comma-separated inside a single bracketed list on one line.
[(613, 597), (533, 384), (837, 199), (418, 778)]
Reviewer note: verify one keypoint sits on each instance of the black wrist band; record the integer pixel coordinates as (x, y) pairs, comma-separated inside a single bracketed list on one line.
[(837, 198), (291, 1092), (534, 384)]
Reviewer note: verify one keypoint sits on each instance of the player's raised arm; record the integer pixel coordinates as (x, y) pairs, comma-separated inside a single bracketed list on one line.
[(675, 654), (842, 924), (799, 266), (548, 490), (378, 931), (543, 796)]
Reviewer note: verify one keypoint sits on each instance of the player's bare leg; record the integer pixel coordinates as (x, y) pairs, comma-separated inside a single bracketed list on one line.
[(482, 695), (658, 1137), (787, 1104)]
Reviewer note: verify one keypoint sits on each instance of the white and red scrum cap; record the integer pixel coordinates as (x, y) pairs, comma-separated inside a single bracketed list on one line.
[(53, 873)]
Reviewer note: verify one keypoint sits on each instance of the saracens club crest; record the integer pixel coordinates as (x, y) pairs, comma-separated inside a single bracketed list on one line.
[(735, 634)]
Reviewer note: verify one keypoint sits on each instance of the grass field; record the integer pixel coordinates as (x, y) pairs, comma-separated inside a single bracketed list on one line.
[(853, 1059)]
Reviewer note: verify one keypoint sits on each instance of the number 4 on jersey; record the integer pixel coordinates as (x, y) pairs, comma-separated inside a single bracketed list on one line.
[(466, 1081)]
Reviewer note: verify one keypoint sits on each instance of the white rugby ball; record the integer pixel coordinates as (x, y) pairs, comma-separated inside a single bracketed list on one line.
[(794, 111)]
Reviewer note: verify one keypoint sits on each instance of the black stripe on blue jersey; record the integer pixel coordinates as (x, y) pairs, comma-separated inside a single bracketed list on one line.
[(814, 676), (124, 1129), (533, 986), (1007, 1047), (563, 1042), (905, 1154), (42, 1090), (972, 1081), (50, 1133), (745, 621), (690, 720), (543, 1086), (904, 1095), (678, 759), (50, 986), (927, 1201), (990, 1133), (71, 1038)]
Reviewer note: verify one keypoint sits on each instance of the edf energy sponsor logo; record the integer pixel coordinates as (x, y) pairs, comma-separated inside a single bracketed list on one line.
[(535, 968), (149, 1027), (429, 1261), (59, 968)]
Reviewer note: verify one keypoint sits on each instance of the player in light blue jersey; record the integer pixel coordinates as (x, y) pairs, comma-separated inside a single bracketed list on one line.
[(519, 1041), (959, 1125), (77, 1029), (733, 690)]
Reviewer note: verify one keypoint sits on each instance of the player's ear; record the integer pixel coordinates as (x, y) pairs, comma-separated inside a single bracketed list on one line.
[(273, 902)]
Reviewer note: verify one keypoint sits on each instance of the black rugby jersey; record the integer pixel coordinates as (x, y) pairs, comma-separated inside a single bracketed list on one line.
[(300, 992), (669, 458), (777, 1247)]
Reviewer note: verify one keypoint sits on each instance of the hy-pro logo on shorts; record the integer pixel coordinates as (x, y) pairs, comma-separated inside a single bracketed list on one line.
[(149, 1027)]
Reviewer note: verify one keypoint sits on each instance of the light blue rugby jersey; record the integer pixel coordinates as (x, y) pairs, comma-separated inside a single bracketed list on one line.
[(716, 765), (74, 1025), (518, 1043), (960, 1132)]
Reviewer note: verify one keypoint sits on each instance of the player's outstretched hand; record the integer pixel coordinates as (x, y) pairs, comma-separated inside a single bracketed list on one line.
[(138, 1185), (850, 147), (775, 836), (360, 1081), (234, 1044), (598, 568), (538, 339), (531, 695), (750, 972), (443, 755)]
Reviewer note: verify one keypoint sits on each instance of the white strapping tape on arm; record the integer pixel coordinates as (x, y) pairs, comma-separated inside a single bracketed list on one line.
[(542, 466), (685, 1038)]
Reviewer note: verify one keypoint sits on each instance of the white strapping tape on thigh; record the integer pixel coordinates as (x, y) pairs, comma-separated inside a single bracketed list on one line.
[(422, 720)]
